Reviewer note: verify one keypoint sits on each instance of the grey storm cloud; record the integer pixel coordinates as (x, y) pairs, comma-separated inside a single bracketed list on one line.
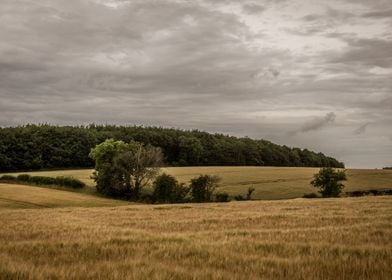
[(247, 68)]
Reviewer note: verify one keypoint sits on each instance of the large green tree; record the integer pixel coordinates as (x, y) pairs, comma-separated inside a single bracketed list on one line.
[(123, 169), (329, 181)]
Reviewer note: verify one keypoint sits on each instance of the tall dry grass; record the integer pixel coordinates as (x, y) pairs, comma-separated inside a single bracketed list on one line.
[(347, 238)]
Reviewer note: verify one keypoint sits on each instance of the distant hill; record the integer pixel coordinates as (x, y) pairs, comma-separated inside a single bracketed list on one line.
[(33, 147)]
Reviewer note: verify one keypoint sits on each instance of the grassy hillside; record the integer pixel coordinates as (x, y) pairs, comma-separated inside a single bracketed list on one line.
[(269, 182), (346, 238), (20, 196)]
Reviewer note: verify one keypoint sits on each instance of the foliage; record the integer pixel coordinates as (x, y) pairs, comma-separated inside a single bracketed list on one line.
[(328, 181), (249, 193), (123, 169), (66, 181), (8, 178), (222, 197), (239, 197), (34, 147), (168, 190), (203, 187), (62, 181), (105, 175), (23, 177), (310, 195)]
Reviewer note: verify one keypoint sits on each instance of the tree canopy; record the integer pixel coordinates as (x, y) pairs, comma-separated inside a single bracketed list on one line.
[(123, 169), (328, 180), (34, 147)]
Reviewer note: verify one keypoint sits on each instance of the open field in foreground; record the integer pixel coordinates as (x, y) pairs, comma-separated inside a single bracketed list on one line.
[(346, 238), (269, 182), (21, 196)]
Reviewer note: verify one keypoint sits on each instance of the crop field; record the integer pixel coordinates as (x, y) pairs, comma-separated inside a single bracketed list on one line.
[(269, 182), (344, 238), (20, 196)]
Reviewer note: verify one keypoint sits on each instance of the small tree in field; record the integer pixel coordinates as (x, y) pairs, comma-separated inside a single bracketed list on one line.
[(168, 190), (203, 187), (328, 180)]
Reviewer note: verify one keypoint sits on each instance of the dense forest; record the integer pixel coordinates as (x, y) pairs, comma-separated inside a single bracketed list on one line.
[(33, 147)]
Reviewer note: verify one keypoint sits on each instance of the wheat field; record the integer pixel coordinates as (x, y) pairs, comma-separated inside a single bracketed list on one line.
[(269, 182), (346, 238), (21, 196)]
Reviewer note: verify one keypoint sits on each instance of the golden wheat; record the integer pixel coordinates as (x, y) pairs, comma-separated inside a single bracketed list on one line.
[(346, 238)]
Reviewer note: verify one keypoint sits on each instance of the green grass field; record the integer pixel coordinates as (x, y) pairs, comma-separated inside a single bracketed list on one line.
[(269, 182)]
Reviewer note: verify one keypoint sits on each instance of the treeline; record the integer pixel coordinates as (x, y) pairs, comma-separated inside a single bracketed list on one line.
[(33, 147)]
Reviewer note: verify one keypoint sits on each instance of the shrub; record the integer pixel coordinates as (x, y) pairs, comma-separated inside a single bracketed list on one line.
[(249, 193), (147, 198), (42, 180), (203, 187), (328, 180), (69, 182), (239, 197), (168, 190), (388, 192), (8, 178), (23, 177), (222, 197), (62, 181), (375, 192), (310, 195), (357, 193)]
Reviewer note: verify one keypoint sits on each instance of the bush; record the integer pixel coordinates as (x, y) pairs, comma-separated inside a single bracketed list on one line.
[(357, 193), (23, 177), (249, 193), (147, 198), (42, 180), (69, 182), (310, 195), (203, 187), (328, 180), (168, 190), (62, 181), (239, 197), (375, 192), (8, 178), (222, 197)]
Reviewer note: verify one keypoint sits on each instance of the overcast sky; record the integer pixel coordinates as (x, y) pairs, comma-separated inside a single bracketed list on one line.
[(308, 73)]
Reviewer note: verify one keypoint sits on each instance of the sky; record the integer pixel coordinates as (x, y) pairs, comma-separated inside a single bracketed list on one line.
[(304, 73)]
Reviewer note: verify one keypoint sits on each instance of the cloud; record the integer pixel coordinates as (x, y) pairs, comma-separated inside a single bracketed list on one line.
[(361, 129), (369, 52), (223, 66), (252, 8), (379, 14), (316, 123)]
